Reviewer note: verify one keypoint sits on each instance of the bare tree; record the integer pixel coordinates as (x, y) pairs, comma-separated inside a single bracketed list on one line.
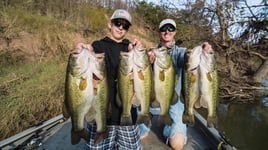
[(240, 35)]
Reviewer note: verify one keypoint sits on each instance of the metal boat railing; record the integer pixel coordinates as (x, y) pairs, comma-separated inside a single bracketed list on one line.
[(31, 136), (215, 137)]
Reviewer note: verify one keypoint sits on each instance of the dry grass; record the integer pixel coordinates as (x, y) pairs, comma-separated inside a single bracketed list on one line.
[(30, 94), (33, 65)]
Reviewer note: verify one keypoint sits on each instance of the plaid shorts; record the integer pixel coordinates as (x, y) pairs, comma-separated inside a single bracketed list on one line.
[(120, 138)]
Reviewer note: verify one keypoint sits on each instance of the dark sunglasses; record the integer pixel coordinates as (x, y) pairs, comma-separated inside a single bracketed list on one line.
[(165, 28), (122, 23)]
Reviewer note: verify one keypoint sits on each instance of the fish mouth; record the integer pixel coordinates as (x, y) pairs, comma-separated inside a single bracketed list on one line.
[(76, 51), (75, 54)]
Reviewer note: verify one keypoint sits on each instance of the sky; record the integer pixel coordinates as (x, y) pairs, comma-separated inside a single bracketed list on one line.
[(233, 30), (178, 2)]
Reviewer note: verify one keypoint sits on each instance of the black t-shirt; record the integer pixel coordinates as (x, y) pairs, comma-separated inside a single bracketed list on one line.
[(112, 51)]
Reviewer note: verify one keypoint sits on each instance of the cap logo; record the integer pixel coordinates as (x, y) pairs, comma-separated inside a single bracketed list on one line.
[(123, 13)]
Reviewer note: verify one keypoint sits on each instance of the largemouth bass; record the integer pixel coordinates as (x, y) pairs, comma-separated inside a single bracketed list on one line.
[(101, 98), (78, 92), (208, 86), (200, 84), (164, 83), (126, 86), (142, 70), (190, 87)]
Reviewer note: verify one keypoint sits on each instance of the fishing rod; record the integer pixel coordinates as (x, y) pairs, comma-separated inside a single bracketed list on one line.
[(31, 137)]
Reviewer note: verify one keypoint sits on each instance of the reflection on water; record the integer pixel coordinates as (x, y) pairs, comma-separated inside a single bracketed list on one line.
[(246, 125), (265, 103)]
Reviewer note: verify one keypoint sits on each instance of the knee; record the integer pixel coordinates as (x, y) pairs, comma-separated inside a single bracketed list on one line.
[(177, 141)]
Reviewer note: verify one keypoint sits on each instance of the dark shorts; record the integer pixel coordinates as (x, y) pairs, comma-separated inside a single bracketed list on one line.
[(120, 138)]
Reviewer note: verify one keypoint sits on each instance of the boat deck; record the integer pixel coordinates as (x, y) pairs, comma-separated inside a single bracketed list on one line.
[(55, 134), (59, 138)]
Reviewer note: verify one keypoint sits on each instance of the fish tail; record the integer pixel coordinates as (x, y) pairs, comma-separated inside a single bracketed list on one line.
[(99, 136), (77, 135), (155, 104), (200, 102), (197, 103), (164, 119), (188, 119), (212, 121), (144, 119), (65, 112), (126, 120)]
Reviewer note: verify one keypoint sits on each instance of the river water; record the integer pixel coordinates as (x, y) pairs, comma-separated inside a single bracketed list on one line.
[(246, 125)]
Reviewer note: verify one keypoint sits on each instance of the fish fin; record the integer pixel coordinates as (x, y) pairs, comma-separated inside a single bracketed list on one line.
[(99, 136), (140, 75), (188, 118), (203, 102), (208, 75), (161, 75), (95, 86), (65, 111), (90, 115), (155, 104), (135, 101), (197, 104), (118, 100), (174, 99), (144, 119), (192, 78), (152, 93), (77, 135), (126, 120), (212, 121), (164, 119), (83, 84), (182, 97), (131, 75), (95, 91)]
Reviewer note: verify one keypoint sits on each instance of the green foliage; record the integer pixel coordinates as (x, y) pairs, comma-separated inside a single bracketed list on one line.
[(35, 22), (29, 21), (97, 19), (93, 19), (152, 14)]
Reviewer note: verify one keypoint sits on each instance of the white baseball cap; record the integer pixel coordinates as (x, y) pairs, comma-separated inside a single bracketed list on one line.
[(167, 21), (121, 13)]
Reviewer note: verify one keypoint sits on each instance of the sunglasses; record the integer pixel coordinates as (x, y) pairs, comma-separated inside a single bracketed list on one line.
[(123, 23), (165, 28)]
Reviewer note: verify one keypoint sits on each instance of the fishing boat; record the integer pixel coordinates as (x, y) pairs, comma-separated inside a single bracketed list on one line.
[(55, 134)]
